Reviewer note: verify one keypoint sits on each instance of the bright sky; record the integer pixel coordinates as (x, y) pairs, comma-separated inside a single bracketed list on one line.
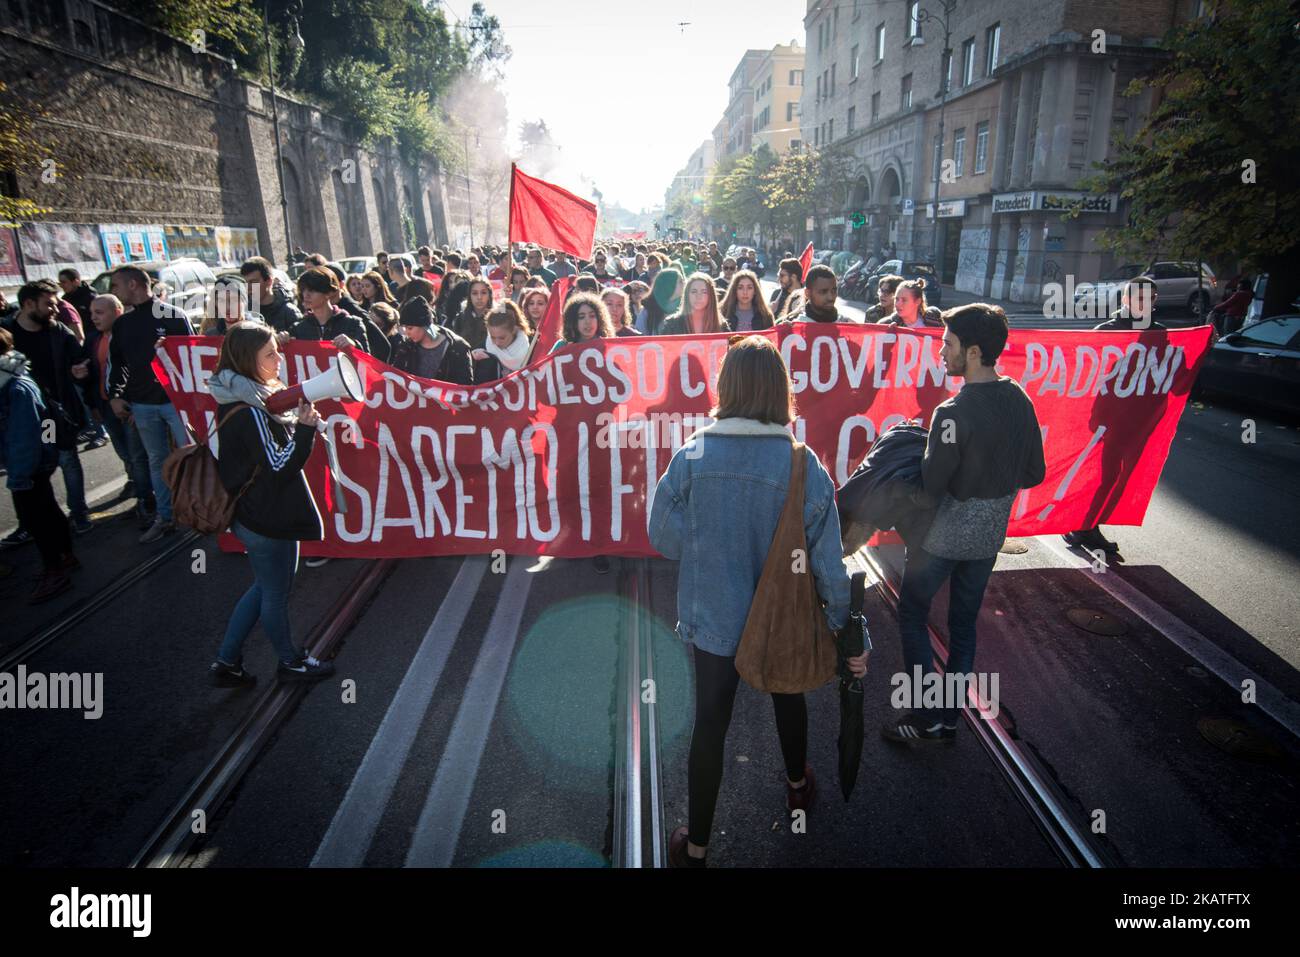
[(587, 68)]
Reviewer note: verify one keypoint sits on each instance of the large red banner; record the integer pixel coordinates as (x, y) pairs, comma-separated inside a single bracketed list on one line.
[(561, 458)]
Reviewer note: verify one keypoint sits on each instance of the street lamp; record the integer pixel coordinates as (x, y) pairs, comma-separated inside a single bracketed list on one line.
[(296, 42), (924, 16)]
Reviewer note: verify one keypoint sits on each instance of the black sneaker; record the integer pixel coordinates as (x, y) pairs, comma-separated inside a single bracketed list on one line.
[(128, 491), (230, 676), (81, 524), (913, 729), (18, 536), (306, 668)]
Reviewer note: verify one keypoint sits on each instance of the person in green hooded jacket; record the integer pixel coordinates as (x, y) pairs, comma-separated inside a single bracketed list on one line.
[(664, 300)]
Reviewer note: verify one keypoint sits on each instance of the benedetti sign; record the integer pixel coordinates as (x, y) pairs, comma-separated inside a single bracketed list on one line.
[(1043, 201)]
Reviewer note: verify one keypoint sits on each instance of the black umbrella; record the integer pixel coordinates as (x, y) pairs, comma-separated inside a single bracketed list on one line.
[(851, 641)]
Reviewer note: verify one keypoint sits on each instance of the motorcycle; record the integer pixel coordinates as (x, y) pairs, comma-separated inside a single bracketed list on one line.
[(854, 284)]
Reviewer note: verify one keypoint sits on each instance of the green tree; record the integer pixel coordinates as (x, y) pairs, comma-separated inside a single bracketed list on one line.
[(1212, 171), (19, 149)]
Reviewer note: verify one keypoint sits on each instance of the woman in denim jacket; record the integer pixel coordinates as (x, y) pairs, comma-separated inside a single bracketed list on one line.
[(716, 510)]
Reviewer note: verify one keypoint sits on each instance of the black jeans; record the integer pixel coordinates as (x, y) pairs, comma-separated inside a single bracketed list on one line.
[(716, 679), (39, 513)]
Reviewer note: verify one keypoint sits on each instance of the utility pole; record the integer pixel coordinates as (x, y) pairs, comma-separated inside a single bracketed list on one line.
[(924, 16)]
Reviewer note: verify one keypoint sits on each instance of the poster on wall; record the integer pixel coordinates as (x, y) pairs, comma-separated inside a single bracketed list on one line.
[(236, 244), (193, 242), (48, 247), (11, 269), (132, 242)]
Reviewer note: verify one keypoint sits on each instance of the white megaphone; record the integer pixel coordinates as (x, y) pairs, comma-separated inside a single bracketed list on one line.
[(339, 381)]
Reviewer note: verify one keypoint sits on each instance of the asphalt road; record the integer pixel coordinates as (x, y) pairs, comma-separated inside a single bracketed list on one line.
[(483, 728)]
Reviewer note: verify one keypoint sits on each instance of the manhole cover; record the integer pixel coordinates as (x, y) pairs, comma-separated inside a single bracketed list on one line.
[(1013, 546), (1097, 622), (1238, 739)]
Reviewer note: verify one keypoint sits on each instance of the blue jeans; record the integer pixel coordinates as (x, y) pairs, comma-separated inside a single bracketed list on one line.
[(74, 482), (923, 575), (274, 562), (130, 449), (157, 423)]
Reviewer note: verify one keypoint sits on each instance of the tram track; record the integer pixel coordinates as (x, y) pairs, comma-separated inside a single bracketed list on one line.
[(94, 602), (173, 841), (1056, 815)]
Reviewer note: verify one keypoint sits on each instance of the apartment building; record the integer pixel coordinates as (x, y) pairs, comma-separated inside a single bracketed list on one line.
[(1025, 99), (778, 91)]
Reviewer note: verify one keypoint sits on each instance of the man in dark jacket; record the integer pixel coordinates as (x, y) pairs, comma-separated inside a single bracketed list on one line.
[(319, 289), (78, 294), (429, 351), (29, 463), (1135, 313), (820, 289), (278, 310), (983, 447), (59, 364), (134, 391)]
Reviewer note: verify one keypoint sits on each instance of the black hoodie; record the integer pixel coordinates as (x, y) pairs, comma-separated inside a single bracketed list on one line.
[(252, 445)]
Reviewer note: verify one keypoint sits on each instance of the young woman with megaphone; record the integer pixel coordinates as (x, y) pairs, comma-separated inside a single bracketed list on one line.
[(266, 432)]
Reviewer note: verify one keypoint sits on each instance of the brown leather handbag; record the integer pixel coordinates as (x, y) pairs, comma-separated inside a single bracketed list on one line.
[(199, 500), (787, 646)]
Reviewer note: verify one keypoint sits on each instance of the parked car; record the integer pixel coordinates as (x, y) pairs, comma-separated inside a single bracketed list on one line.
[(908, 269), (359, 264), (188, 281), (1176, 288), (1259, 363)]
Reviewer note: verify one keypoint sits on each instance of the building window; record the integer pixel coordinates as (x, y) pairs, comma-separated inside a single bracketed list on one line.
[(853, 64), (938, 158), (833, 66), (856, 12), (913, 20), (795, 146), (880, 43), (830, 131), (981, 147), (968, 62), (796, 77), (959, 150), (789, 111), (817, 136), (819, 89), (946, 70), (992, 46), (853, 115), (906, 98), (875, 106)]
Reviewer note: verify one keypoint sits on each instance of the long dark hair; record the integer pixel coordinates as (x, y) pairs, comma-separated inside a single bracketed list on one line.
[(604, 328), (376, 280), (762, 311)]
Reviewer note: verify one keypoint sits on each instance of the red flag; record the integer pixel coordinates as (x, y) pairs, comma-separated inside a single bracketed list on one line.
[(806, 260), (543, 213), (551, 327)]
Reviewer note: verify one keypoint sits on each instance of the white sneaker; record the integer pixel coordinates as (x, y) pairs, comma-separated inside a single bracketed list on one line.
[(157, 530), (316, 561)]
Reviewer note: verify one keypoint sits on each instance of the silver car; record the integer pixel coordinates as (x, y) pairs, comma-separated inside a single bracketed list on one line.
[(1176, 287)]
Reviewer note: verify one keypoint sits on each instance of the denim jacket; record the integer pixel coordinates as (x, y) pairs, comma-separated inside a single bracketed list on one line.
[(716, 510), (21, 410)]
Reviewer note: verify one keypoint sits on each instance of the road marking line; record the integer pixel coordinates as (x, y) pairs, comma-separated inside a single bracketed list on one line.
[(1269, 698), (438, 831), (351, 832)]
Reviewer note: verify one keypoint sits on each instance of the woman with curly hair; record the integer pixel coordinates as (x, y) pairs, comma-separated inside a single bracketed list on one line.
[(585, 318)]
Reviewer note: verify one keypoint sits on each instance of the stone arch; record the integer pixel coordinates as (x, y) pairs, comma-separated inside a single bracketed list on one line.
[(300, 230), (345, 199), (860, 196)]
